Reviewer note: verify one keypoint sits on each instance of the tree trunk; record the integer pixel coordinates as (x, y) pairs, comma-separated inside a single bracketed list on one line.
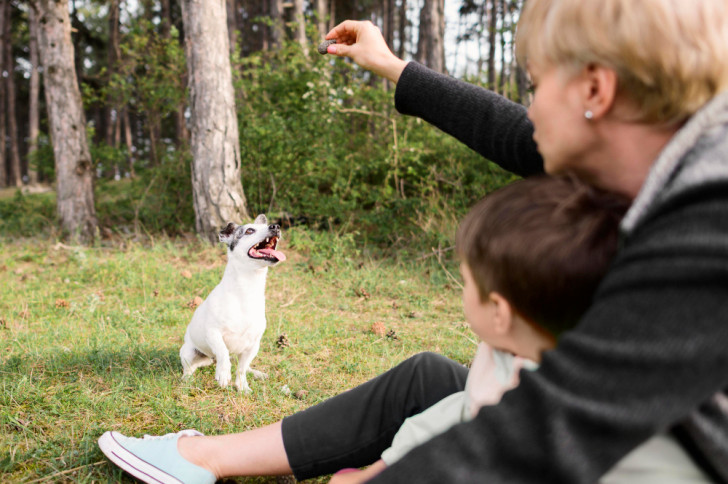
[(232, 10), (278, 30), (402, 50), (3, 159), (332, 15), (322, 11), (129, 140), (521, 76), (492, 29), (34, 95), (74, 169), (215, 147), (16, 177), (431, 42), (112, 55), (503, 82), (111, 111), (299, 32)]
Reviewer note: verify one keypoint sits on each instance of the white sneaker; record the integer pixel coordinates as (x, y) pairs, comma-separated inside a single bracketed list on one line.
[(154, 459)]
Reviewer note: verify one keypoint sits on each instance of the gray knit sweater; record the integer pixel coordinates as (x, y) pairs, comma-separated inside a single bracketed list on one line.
[(651, 355)]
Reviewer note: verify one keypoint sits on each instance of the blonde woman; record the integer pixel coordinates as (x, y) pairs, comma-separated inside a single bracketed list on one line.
[(631, 96)]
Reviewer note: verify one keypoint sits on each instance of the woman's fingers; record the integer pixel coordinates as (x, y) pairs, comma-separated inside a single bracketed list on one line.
[(346, 32), (363, 43)]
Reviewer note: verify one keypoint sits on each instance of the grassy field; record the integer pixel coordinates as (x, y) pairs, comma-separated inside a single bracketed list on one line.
[(89, 341)]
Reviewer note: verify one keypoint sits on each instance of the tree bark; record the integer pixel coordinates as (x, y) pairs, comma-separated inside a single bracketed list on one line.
[(322, 11), (129, 140), (34, 95), (3, 158), (215, 148), (431, 42), (299, 32), (113, 55), (74, 169), (16, 177), (502, 82), (402, 50), (111, 111), (492, 29), (388, 22), (232, 10), (278, 30)]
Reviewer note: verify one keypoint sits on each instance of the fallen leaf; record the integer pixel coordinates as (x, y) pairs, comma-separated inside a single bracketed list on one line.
[(62, 303), (195, 302), (186, 274), (379, 329), (282, 341)]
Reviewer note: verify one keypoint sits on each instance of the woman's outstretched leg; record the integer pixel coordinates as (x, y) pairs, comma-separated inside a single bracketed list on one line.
[(257, 452), (348, 430), (353, 428)]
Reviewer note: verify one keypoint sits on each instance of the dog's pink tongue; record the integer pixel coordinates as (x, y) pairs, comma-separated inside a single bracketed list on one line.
[(273, 253)]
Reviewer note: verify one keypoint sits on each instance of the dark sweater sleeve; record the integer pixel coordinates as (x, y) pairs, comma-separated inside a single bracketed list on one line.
[(488, 123), (650, 350)]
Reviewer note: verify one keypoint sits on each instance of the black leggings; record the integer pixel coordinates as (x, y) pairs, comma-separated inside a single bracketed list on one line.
[(353, 428)]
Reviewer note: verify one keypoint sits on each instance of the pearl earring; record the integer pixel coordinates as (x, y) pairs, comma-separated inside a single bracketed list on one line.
[(588, 114)]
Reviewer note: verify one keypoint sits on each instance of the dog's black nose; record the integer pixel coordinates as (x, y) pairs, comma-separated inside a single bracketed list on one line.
[(274, 227)]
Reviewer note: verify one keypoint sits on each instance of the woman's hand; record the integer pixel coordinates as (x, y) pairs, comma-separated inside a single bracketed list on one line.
[(363, 43), (356, 476)]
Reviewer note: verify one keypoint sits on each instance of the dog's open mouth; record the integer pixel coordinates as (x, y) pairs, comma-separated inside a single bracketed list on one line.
[(266, 250)]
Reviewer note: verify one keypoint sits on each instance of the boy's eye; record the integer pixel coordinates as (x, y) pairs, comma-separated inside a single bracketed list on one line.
[(249, 231), (531, 87)]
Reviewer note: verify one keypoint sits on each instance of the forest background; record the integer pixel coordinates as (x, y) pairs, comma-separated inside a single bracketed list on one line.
[(106, 213), (320, 142)]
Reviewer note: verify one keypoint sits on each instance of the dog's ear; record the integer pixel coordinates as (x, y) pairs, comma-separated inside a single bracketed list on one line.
[(226, 234), (261, 219)]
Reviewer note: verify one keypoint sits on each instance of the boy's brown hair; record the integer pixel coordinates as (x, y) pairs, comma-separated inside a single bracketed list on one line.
[(544, 243)]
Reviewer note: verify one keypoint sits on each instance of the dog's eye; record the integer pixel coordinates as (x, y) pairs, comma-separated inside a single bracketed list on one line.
[(249, 231)]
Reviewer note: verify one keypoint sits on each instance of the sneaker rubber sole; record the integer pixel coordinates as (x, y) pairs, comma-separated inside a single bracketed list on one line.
[(132, 464)]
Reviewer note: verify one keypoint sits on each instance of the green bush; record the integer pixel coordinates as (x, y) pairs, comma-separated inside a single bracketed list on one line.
[(321, 144), (157, 200), (320, 140), (28, 215)]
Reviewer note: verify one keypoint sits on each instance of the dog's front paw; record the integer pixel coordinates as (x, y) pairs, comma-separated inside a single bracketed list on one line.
[(241, 383), (223, 377)]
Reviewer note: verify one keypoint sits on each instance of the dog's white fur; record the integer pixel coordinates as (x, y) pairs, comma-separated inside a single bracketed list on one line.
[(231, 321)]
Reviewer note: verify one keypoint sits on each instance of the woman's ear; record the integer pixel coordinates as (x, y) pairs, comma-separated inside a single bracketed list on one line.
[(503, 314), (600, 90)]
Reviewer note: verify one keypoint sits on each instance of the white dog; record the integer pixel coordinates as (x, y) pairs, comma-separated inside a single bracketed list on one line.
[(232, 318)]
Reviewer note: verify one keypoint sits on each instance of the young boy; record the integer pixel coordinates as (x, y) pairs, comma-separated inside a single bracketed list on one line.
[(532, 256)]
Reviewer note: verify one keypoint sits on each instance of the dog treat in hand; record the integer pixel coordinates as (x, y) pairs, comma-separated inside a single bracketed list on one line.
[(324, 46)]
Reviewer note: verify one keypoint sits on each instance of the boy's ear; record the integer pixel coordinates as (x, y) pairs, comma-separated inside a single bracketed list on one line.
[(504, 313)]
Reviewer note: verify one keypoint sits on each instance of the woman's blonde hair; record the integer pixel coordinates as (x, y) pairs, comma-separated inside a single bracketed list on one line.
[(670, 56)]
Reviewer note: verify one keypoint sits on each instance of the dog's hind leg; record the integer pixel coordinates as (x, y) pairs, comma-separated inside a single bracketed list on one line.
[(192, 359)]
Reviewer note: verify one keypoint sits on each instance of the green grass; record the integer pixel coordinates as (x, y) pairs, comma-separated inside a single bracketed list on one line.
[(89, 341)]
